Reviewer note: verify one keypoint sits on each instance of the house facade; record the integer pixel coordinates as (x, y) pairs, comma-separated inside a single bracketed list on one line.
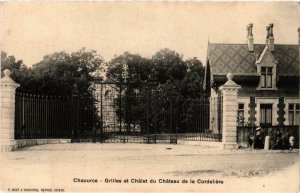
[(268, 75), (105, 94)]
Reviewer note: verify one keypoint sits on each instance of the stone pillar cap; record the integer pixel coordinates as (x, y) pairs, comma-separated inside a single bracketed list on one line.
[(7, 79), (229, 76), (7, 72), (230, 82)]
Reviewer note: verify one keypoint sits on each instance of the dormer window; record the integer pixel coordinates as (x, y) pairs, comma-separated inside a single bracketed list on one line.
[(266, 77), (266, 69), (267, 64)]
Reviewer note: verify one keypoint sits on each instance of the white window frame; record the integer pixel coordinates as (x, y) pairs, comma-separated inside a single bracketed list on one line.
[(266, 74), (245, 101), (266, 100), (238, 112), (267, 60), (294, 112), (287, 102), (265, 113)]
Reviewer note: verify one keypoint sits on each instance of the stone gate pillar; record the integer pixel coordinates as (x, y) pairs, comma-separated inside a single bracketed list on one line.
[(229, 93), (7, 105)]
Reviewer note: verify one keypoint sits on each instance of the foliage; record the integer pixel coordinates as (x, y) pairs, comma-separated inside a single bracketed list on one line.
[(20, 72), (171, 73), (176, 80), (56, 73), (158, 81), (168, 66), (139, 68)]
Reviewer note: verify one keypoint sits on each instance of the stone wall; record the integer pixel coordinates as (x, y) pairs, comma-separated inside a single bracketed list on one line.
[(30, 142)]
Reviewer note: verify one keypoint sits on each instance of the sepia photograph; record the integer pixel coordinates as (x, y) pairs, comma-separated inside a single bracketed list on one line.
[(150, 96)]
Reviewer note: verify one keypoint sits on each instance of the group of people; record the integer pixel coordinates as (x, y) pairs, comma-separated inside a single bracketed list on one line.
[(256, 140)]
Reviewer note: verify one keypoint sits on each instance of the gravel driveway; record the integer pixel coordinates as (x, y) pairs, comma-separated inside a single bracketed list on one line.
[(62, 167)]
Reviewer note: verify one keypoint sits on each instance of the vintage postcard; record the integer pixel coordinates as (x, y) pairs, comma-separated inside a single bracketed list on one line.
[(152, 96)]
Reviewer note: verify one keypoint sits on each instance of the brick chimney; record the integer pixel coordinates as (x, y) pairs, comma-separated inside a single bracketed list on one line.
[(250, 37), (270, 37)]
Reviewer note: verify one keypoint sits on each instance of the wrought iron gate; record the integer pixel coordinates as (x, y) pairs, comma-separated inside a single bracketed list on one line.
[(140, 116)]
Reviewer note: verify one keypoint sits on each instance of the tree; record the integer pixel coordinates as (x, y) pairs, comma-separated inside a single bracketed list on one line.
[(20, 72), (58, 72), (139, 71), (9, 62), (168, 66), (194, 78), (139, 68), (177, 80)]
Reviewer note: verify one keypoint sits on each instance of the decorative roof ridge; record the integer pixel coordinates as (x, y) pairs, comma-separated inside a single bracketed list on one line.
[(262, 54)]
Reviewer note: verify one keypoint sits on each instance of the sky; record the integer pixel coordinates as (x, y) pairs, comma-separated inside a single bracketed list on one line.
[(31, 30)]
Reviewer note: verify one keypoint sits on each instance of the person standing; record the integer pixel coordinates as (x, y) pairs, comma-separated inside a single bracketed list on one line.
[(278, 140), (251, 140), (292, 142), (258, 141)]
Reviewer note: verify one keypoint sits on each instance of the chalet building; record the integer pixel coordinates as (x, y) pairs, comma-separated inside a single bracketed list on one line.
[(268, 75)]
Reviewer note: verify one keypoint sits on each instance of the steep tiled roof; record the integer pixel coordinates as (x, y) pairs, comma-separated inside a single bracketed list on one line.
[(235, 58), (288, 59)]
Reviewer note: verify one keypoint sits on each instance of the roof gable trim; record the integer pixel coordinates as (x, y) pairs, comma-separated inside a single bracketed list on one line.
[(263, 54)]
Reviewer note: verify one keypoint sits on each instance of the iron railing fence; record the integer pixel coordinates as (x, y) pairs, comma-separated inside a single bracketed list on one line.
[(120, 117), (284, 132), (41, 116)]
